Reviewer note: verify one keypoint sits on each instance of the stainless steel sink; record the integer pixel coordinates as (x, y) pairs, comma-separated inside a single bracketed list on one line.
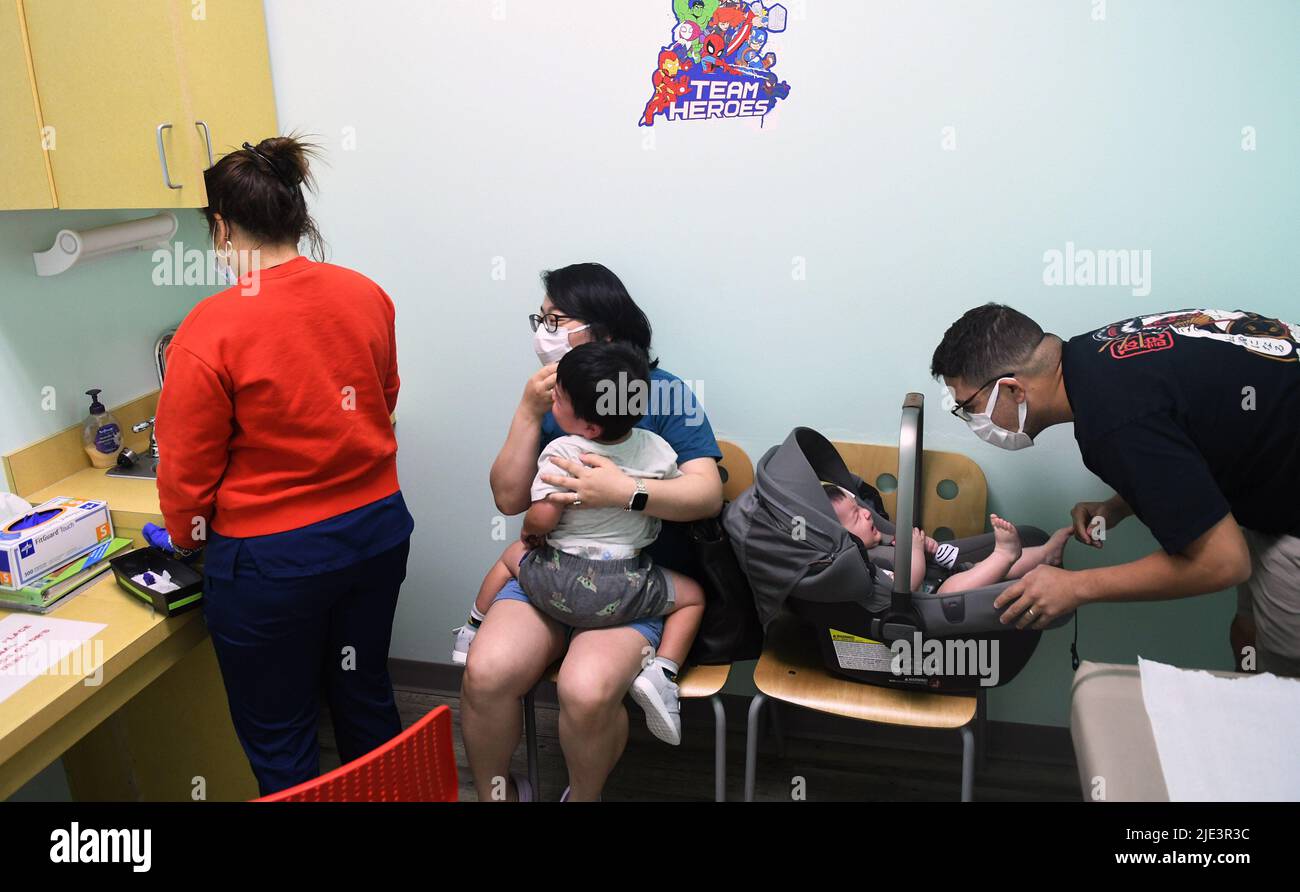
[(145, 469)]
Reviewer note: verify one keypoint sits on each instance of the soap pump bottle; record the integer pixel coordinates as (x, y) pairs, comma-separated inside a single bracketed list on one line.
[(100, 435)]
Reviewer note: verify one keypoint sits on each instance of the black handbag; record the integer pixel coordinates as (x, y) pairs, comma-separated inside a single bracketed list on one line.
[(730, 631)]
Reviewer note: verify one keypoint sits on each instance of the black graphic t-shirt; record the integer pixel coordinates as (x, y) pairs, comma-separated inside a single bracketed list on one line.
[(1189, 415)]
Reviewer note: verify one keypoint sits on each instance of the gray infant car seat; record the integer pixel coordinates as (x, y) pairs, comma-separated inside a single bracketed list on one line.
[(798, 556)]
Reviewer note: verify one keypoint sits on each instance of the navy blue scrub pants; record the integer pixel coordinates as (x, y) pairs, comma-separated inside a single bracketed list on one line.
[(280, 642)]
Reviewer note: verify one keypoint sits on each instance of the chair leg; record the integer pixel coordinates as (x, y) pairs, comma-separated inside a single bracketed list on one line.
[(778, 730), (719, 750), (981, 731), (751, 744), (967, 763), (530, 738)]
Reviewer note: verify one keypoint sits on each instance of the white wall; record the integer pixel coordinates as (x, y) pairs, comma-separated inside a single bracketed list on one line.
[(481, 136)]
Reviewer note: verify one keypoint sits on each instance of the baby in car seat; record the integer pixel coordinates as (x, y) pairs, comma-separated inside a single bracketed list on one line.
[(1009, 560)]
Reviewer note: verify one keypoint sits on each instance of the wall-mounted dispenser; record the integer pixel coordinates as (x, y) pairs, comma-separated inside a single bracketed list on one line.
[(72, 248)]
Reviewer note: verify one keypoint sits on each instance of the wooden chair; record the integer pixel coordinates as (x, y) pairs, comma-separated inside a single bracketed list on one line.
[(953, 497), (418, 765), (695, 682)]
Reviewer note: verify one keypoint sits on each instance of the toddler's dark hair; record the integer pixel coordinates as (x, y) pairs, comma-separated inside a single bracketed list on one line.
[(600, 379)]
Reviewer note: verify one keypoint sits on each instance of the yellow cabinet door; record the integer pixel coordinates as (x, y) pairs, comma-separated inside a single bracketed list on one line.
[(227, 73), (110, 86), (25, 181)]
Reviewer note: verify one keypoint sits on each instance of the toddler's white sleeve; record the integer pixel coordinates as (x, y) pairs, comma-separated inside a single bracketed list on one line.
[(665, 458), (563, 447)]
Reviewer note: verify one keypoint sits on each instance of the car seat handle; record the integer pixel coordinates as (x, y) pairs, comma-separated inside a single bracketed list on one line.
[(908, 514)]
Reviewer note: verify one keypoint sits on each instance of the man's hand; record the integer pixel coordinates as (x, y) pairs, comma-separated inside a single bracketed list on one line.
[(1085, 514), (539, 390), (594, 482), (1039, 597)]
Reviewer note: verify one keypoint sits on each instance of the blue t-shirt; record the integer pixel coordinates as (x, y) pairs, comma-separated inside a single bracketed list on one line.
[(676, 415), (321, 547)]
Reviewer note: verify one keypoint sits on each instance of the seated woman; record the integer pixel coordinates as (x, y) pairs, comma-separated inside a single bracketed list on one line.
[(1009, 559), (590, 569), (516, 642)]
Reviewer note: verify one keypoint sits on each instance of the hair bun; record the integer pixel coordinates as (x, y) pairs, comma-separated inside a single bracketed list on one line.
[(291, 158), (258, 190)]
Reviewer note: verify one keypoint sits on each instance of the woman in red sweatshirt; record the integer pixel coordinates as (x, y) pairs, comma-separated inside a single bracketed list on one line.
[(278, 457)]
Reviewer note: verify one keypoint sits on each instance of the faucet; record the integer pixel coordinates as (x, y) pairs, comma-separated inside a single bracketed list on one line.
[(128, 463), (147, 425), (160, 363)]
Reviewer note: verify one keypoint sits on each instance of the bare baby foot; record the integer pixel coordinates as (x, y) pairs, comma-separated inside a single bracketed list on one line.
[(1006, 540), (1055, 547)]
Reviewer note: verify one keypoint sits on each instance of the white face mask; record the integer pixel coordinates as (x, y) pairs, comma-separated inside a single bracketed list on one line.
[(984, 428), (551, 346), (224, 269)]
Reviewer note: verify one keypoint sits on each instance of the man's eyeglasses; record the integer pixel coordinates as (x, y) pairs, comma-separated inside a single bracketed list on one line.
[(551, 321), (962, 409)]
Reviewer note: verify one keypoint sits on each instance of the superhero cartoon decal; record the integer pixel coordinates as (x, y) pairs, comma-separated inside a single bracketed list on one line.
[(717, 64), (1261, 335)]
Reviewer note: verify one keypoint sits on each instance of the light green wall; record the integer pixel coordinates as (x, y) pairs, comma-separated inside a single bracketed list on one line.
[(91, 327)]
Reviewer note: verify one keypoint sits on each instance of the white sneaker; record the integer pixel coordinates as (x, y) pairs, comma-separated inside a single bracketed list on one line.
[(657, 695), (460, 650)]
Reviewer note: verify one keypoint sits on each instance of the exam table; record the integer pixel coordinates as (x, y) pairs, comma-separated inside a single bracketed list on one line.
[(1112, 735)]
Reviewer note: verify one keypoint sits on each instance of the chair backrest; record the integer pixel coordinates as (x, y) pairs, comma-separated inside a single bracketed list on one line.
[(736, 469), (418, 765), (954, 491)]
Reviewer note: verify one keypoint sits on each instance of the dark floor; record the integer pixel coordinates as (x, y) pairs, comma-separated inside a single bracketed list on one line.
[(830, 769)]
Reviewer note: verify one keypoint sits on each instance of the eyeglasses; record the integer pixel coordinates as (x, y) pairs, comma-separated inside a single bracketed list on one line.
[(551, 321), (961, 409)]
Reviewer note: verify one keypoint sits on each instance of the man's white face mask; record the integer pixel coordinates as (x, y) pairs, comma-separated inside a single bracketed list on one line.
[(984, 428)]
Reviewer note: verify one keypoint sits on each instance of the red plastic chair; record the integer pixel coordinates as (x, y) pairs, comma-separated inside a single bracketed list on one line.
[(418, 765)]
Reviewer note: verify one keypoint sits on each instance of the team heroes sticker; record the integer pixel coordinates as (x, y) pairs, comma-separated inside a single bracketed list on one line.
[(718, 63)]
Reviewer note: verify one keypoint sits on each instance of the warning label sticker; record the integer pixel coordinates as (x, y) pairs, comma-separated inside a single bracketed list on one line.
[(864, 654)]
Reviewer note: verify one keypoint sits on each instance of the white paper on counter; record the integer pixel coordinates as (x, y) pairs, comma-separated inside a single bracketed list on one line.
[(1224, 739), (30, 645)]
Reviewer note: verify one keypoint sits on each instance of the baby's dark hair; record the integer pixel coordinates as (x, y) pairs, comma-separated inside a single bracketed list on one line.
[(835, 493), (601, 381), (260, 191)]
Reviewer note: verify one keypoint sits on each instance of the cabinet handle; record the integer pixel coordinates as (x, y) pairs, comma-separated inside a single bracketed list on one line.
[(207, 137), (162, 156)]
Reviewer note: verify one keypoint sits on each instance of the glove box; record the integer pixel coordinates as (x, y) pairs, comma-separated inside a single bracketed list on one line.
[(134, 570)]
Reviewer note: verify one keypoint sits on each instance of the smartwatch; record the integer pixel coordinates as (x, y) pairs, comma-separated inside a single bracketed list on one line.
[(639, 498)]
